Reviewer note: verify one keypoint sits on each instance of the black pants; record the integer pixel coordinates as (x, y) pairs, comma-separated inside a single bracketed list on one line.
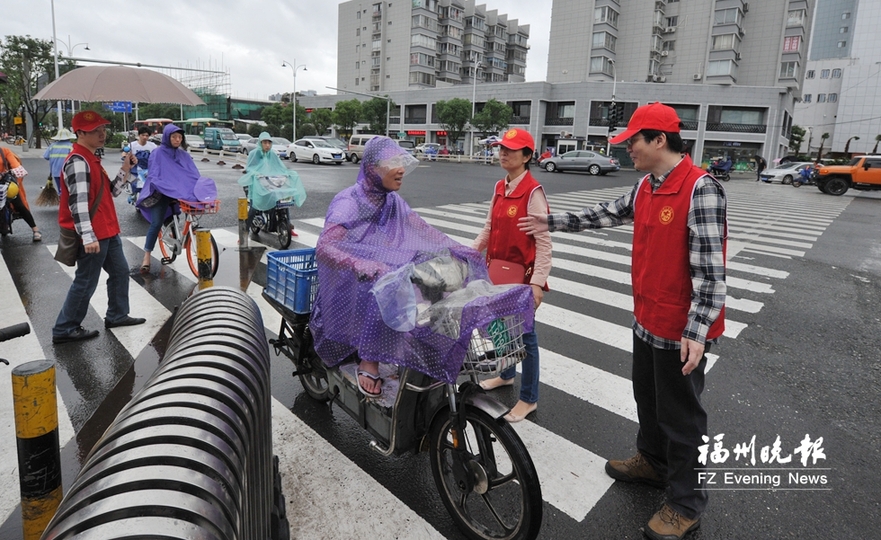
[(671, 422), (23, 212)]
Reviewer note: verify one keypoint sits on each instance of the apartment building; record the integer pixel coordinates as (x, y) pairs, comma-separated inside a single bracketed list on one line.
[(842, 78), (732, 69), (389, 46)]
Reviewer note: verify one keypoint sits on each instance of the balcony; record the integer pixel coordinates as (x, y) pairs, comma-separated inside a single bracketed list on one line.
[(691, 125), (736, 128), (520, 120), (558, 121), (420, 120), (599, 122)]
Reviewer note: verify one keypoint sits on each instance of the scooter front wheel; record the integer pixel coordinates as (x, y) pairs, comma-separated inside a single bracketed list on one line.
[(283, 230), (485, 477)]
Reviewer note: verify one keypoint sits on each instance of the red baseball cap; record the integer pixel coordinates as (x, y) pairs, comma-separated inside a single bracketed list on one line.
[(515, 139), (87, 121), (653, 116)]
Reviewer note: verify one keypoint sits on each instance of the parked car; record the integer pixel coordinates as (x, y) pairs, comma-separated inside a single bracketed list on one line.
[(582, 160), (315, 150), (195, 142), (243, 138), (221, 139), (356, 146), (337, 143), (280, 146), (785, 172), (409, 146)]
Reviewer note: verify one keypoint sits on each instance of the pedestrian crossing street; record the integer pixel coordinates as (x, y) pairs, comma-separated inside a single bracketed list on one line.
[(589, 304)]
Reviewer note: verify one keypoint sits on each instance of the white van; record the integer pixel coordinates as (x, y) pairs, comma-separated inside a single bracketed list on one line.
[(356, 146)]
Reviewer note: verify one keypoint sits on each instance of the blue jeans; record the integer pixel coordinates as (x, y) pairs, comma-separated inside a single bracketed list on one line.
[(157, 218), (88, 272), (529, 380)]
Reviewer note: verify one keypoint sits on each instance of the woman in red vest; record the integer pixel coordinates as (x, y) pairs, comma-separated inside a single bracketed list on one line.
[(515, 196)]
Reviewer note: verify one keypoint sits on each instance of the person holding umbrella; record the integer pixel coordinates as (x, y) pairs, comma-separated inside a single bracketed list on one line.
[(87, 207)]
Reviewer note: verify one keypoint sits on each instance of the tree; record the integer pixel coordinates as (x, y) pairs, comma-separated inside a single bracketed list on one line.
[(158, 110), (847, 144), (346, 115), (25, 60), (321, 119), (820, 151), (877, 140), (493, 118), (452, 115), (797, 137), (374, 112)]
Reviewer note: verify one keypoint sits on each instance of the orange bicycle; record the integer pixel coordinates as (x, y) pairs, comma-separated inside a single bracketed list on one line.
[(178, 234)]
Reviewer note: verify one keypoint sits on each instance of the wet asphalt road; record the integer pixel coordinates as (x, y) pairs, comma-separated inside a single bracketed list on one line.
[(807, 363)]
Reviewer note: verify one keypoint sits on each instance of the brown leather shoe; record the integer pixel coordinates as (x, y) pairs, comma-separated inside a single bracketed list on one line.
[(636, 469), (668, 524)]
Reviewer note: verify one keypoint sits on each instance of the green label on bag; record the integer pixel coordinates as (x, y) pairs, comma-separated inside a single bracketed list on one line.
[(498, 333)]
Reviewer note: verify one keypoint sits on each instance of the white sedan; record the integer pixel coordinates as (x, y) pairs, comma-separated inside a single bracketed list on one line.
[(315, 150), (785, 172), (195, 141)]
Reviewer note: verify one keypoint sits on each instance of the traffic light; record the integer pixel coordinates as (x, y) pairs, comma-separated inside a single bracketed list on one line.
[(614, 116)]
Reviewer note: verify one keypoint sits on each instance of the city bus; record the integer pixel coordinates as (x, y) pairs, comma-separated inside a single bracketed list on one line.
[(196, 126)]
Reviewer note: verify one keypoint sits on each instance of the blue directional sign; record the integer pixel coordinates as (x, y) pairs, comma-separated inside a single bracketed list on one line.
[(119, 106)]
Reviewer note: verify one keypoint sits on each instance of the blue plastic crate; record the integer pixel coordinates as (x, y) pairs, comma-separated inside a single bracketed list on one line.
[(292, 278)]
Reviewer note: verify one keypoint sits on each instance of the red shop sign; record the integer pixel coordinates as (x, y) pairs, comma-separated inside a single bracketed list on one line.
[(416, 132), (441, 133)]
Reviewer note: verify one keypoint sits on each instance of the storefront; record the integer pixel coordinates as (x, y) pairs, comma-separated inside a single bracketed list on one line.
[(741, 153)]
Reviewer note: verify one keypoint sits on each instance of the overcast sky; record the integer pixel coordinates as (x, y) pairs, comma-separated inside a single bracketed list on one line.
[(249, 39)]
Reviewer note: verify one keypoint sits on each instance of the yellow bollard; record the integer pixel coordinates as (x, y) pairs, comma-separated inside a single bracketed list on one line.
[(243, 223), (204, 258), (39, 457)]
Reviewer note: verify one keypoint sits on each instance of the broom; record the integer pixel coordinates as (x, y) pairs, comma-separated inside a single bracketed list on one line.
[(48, 195)]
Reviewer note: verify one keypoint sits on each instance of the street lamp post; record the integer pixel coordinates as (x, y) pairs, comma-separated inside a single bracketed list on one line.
[(473, 104), (70, 49), (614, 87), (294, 67), (810, 137)]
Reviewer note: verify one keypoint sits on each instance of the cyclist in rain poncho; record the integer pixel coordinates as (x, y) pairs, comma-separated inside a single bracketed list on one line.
[(371, 236), (267, 181)]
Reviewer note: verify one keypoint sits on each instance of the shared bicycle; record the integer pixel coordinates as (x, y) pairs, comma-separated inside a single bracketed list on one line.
[(178, 235)]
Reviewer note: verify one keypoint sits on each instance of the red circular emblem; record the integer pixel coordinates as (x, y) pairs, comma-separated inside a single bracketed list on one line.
[(512, 211), (666, 215)]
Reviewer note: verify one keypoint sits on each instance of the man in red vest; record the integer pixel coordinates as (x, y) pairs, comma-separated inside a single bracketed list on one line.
[(680, 231), (87, 207)]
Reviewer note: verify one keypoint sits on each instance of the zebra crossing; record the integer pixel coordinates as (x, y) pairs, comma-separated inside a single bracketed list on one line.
[(589, 303)]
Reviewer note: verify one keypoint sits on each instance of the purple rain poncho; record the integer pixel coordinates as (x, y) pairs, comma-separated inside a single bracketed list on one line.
[(370, 233), (171, 171)]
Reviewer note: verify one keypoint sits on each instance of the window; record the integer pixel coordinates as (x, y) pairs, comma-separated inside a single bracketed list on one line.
[(824, 73), (727, 16), (806, 98), (605, 14), (791, 44), (418, 40), (356, 81), (842, 44), (357, 64), (669, 46), (723, 42), (845, 16), (788, 70), (821, 98), (796, 18), (604, 40), (809, 74), (843, 30), (719, 67), (673, 21), (833, 98), (836, 73), (600, 64)]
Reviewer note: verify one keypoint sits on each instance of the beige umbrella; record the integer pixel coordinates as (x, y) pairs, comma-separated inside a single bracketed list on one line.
[(118, 83)]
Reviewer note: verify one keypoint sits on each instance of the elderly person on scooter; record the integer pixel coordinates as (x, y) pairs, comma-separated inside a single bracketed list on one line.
[(371, 232)]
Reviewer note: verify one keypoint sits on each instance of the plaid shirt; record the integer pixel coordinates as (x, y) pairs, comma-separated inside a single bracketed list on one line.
[(76, 176), (707, 228)]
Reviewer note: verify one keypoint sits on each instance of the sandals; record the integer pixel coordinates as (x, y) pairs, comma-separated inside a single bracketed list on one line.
[(372, 376), (38, 236)]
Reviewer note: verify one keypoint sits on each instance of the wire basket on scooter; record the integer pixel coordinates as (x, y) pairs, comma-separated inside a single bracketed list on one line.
[(497, 347)]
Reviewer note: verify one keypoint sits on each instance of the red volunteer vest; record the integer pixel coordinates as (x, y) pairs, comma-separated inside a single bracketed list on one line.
[(104, 223), (506, 241), (660, 270)]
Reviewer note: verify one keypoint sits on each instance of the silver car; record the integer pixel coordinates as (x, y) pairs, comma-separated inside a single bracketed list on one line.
[(582, 160), (785, 172)]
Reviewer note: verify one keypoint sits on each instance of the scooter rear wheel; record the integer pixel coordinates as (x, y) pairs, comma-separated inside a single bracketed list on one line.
[(485, 477), (310, 368)]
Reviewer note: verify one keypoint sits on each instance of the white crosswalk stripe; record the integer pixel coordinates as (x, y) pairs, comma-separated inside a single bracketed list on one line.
[(589, 281)]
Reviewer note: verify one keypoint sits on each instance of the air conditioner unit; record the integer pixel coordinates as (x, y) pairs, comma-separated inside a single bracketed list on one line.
[(746, 7), (741, 33), (697, 76), (655, 78), (737, 56), (669, 29), (665, 53), (565, 134)]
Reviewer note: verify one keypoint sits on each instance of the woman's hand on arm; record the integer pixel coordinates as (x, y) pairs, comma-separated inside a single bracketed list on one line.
[(534, 223), (537, 294)]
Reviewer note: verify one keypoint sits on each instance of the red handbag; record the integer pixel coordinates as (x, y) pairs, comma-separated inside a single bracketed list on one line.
[(506, 272)]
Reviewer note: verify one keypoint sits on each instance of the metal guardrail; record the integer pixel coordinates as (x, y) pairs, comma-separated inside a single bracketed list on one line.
[(191, 455)]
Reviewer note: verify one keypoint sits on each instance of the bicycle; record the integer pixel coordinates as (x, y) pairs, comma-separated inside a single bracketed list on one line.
[(176, 237)]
